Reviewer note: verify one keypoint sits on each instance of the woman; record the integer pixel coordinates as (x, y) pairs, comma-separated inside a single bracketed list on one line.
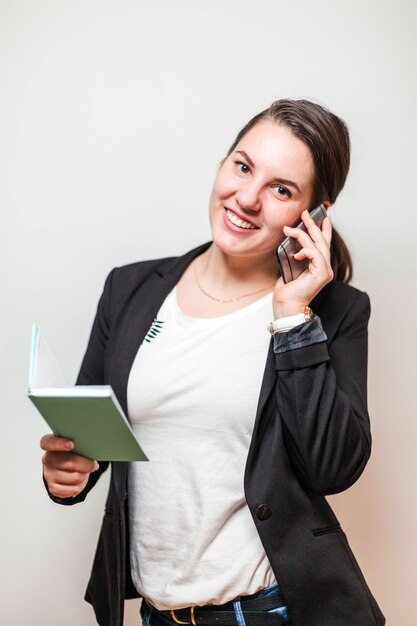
[(246, 433)]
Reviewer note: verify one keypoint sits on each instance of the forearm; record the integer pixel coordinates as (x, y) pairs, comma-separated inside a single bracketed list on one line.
[(326, 433), (321, 400)]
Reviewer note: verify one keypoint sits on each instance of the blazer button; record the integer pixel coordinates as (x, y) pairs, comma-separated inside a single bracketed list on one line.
[(263, 512)]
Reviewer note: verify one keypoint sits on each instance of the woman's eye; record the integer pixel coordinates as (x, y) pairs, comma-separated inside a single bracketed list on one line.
[(283, 191), (242, 167)]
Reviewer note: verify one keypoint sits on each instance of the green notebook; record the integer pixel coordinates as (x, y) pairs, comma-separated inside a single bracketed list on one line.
[(89, 415)]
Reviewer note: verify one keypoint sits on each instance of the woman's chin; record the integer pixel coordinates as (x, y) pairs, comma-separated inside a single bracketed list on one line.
[(229, 246)]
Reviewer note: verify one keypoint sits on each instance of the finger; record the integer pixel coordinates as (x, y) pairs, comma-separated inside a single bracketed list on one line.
[(313, 237), (318, 264), (311, 253), (65, 491), (315, 231), (53, 443), (58, 477), (327, 230), (69, 462), (320, 235), (303, 238)]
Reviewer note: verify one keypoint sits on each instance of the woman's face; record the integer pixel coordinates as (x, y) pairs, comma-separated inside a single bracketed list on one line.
[(263, 185)]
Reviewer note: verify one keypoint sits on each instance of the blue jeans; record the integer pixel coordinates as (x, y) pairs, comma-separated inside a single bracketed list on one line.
[(150, 617)]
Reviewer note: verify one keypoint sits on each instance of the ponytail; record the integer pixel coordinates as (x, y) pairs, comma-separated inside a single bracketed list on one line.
[(340, 259)]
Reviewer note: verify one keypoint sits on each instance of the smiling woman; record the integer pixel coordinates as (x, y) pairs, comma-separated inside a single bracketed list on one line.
[(266, 182), (246, 432)]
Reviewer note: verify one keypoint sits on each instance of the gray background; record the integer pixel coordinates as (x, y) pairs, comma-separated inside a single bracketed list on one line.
[(113, 117)]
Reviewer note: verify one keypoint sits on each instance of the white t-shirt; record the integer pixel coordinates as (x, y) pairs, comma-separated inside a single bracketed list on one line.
[(192, 397)]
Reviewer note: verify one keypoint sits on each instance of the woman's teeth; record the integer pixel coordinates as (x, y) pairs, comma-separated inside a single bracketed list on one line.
[(237, 221)]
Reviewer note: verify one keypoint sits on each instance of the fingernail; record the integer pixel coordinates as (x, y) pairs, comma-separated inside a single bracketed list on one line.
[(68, 445), (96, 466)]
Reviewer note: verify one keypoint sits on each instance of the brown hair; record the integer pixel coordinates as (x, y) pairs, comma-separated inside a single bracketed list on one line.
[(327, 138)]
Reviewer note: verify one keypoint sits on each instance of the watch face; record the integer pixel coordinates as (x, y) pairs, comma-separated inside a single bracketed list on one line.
[(308, 314)]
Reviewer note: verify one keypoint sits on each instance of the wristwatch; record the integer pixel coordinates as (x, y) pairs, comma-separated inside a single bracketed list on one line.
[(283, 324)]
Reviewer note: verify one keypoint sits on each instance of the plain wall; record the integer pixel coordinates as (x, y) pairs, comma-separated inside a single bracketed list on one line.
[(113, 117)]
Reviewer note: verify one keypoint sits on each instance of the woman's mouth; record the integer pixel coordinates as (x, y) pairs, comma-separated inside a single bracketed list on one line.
[(237, 221)]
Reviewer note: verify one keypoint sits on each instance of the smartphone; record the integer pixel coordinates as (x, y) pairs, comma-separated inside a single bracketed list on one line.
[(289, 267)]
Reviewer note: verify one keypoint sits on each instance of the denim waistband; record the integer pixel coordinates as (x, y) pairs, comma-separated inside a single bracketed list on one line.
[(266, 607)]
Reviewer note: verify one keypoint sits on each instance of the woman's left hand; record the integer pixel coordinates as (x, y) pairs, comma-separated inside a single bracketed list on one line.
[(292, 297)]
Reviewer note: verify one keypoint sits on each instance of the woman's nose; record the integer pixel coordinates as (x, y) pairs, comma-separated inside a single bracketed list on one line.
[(248, 197)]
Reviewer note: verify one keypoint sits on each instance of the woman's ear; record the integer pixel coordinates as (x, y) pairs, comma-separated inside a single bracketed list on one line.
[(327, 204)]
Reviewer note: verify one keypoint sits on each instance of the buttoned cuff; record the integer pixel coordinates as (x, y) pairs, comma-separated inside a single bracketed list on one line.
[(300, 336)]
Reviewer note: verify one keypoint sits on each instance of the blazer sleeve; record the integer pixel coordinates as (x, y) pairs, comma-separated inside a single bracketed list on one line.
[(92, 372), (322, 402)]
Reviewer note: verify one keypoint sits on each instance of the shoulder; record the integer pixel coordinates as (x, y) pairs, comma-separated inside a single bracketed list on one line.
[(122, 281), (128, 276)]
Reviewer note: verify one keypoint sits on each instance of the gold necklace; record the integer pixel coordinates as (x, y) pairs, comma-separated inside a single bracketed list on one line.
[(224, 301)]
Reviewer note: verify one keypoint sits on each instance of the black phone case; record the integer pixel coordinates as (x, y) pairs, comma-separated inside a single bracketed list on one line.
[(289, 267)]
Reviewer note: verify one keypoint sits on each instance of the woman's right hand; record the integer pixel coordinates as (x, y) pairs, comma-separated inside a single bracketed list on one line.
[(66, 474)]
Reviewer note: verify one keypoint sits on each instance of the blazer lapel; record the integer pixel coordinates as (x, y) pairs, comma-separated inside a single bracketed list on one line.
[(268, 383), (139, 314)]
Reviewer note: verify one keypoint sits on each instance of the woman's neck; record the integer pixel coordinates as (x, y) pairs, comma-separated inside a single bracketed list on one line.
[(216, 284), (234, 273)]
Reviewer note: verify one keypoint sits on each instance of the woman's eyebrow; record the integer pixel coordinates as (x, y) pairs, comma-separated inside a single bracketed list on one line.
[(289, 183), (283, 181), (246, 157)]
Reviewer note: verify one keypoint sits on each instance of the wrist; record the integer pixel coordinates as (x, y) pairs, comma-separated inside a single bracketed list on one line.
[(284, 324), (288, 309)]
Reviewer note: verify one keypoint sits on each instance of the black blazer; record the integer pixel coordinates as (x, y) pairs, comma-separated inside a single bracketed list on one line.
[(311, 437)]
